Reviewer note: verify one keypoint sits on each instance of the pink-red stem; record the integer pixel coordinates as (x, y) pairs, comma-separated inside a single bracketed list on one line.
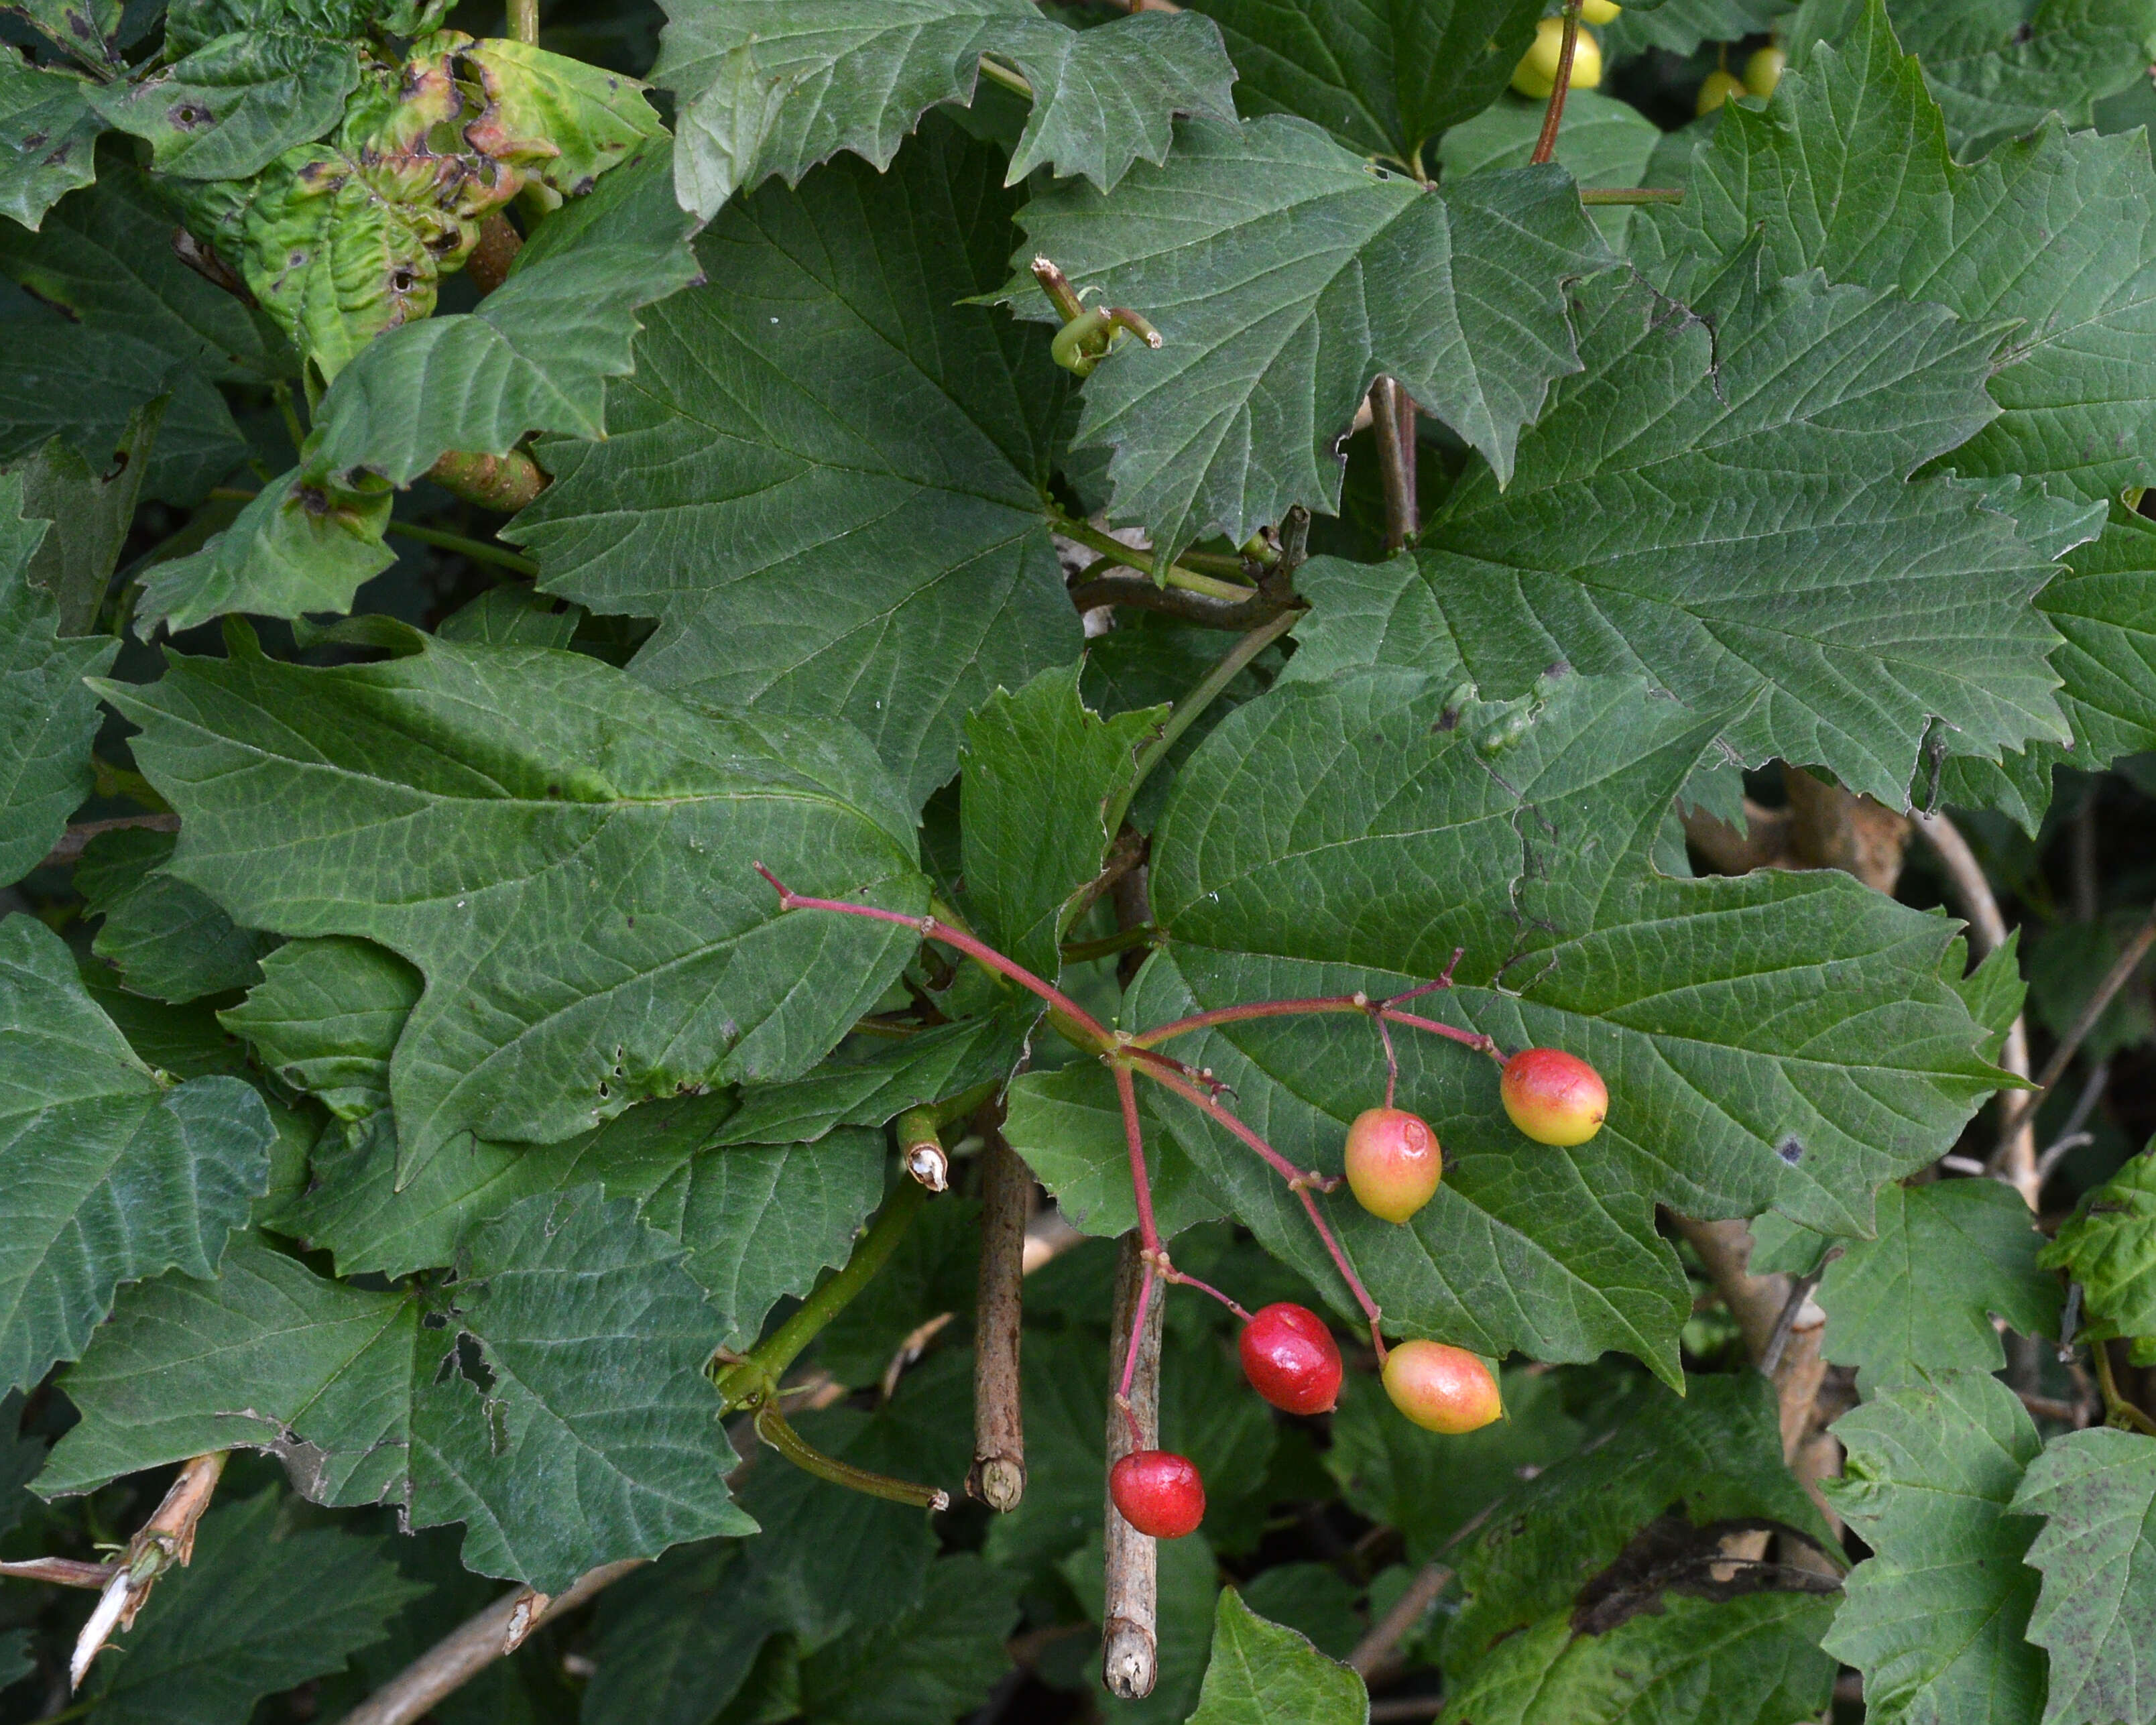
[(932, 929), (1317, 1003), (1299, 1183), (1553, 116), (1148, 1231)]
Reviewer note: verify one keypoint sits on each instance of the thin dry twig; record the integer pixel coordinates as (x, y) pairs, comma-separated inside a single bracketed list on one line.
[(474, 1645), (997, 1475), (60, 1572), (1129, 1640), (2015, 1157), (2116, 978), (166, 1539), (1374, 1652)]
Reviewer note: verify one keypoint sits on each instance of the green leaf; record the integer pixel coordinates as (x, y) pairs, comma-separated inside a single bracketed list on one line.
[(826, 476), (1601, 140), (1385, 79), (249, 1616), (1068, 1126), (1713, 1455), (1998, 67), (2109, 1247), (1430, 1486), (302, 544), (1260, 1673), (48, 718), (675, 1641), (1753, 1660), (942, 1062), (1921, 1295), (1810, 615), (84, 29), (1680, 26), (927, 1667), (2096, 1613), (759, 1221), (2077, 404), (512, 616), (110, 1175), (49, 136), (563, 122), (231, 107), (163, 936), (91, 511), (560, 1411), (1042, 775), (534, 357), (1284, 274), (1104, 98), (1778, 1040), (85, 386), (1934, 1618), (763, 90), (325, 1018), (1313, 1600), (500, 815)]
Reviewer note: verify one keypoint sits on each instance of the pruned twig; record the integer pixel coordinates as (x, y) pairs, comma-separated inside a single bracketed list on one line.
[(1129, 1619), (997, 1475), (167, 1538)]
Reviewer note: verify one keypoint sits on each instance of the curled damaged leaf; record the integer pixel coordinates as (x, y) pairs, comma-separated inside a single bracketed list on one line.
[(302, 544), (563, 122), (345, 239)]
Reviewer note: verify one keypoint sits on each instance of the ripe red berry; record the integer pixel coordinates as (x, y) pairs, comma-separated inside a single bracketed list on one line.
[(1554, 1097), (1393, 1163), (1291, 1359), (1158, 1492), (1441, 1388)]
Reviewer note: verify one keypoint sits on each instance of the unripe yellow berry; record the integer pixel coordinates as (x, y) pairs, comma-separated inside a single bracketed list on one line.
[(1763, 70), (1599, 12), (1717, 88), (1536, 75)]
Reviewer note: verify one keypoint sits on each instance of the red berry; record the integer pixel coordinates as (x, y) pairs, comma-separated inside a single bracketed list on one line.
[(1393, 1163), (1291, 1359), (1158, 1493), (1554, 1097), (1441, 1388)]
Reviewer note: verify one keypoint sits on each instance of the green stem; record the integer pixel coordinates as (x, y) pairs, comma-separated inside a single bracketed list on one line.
[(1179, 574), (1188, 709), (772, 1427), (524, 21), (1011, 79), (1085, 952), (1632, 194), (281, 392), (753, 1381), (477, 550), (2118, 1411)]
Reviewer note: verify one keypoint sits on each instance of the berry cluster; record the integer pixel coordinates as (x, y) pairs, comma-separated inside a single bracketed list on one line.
[(1395, 1166)]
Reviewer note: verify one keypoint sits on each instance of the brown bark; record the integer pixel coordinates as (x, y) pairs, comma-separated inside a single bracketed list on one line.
[(1129, 1642), (998, 1477)]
